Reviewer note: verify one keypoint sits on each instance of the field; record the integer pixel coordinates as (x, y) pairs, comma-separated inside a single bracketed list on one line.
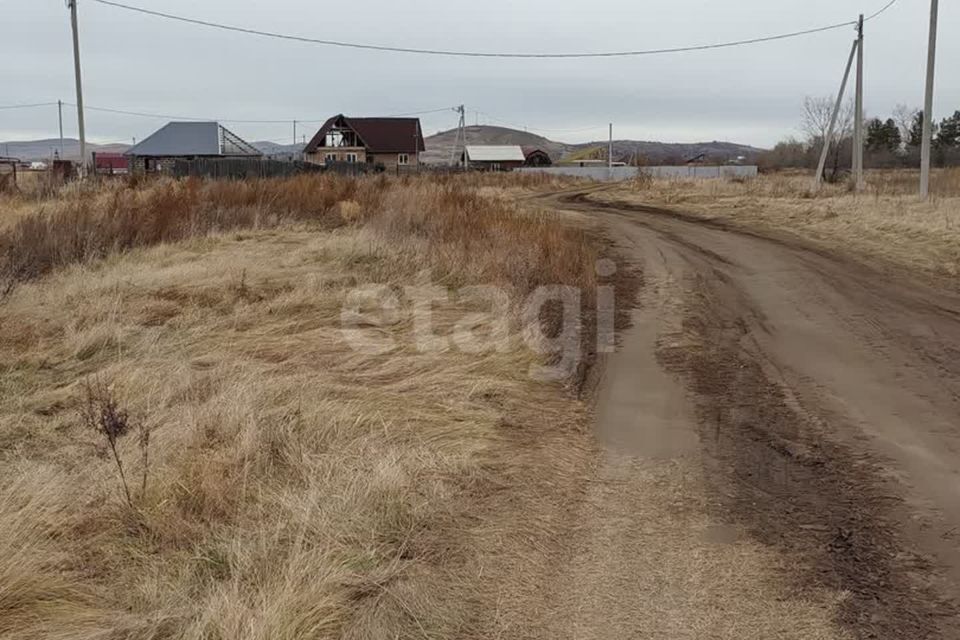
[(222, 414), (190, 448), (887, 223)]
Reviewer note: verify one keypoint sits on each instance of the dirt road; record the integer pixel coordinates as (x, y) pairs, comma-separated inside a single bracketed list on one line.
[(782, 436)]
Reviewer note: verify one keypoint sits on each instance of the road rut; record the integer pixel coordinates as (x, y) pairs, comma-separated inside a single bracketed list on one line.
[(803, 410)]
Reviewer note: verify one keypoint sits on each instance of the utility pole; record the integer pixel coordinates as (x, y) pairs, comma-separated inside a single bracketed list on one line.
[(294, 132), (858, 136), (610, 155), (76, 67), (928, 104), (461, 139), (833, 120), (60, 114)]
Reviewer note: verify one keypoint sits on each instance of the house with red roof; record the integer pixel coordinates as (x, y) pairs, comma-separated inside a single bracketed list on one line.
[(389, 143)]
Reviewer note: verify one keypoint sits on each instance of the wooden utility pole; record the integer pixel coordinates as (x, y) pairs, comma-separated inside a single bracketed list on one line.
[(76, 67), (858, 136), (833, 119), (927, 141)]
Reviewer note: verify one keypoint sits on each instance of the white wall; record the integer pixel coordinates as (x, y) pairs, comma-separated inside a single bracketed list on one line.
[(615, 174)]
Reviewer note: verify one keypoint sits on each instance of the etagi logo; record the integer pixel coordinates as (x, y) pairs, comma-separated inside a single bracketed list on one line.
[(486, 318)]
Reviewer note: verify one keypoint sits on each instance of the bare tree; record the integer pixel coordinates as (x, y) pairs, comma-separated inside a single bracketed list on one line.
[(905, 116), (815, 124), (817, 113)]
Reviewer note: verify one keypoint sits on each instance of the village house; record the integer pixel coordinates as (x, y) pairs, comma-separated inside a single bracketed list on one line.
[(187, 141), (392, 144), (536, 157), (493, 157)]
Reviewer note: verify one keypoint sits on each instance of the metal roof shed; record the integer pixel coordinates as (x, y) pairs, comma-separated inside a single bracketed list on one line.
[(192, 139), (495, 153)]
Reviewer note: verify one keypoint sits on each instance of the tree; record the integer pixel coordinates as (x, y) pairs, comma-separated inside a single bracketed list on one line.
[(915, 139), (949, 135), (817, 113), (883, 136), (904, 116)]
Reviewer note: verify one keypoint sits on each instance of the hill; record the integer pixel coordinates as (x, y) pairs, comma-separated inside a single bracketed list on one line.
[(29, 150), (439, 147), (441, 144)]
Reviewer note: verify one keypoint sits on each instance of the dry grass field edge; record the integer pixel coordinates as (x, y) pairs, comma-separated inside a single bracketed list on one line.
[(189, 449), (888, 224)]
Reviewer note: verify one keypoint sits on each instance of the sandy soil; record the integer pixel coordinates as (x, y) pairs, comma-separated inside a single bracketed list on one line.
[(782, 432)]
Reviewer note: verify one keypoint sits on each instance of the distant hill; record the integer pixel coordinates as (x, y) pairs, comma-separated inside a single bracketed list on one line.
[(440, 145), (268, 148), (30, 150)]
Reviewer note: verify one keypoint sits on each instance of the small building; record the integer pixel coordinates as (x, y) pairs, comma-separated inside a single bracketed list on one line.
[(110, 163), (584, 162), (493, 157), (187, 141), (535, 157), (393, 144)]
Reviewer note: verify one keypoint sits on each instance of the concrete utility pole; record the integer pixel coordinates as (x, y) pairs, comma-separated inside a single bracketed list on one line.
[(76, 67), (461, 138), (60, 113), (610, 149), (858, 136), (928, 104), (833, 120)]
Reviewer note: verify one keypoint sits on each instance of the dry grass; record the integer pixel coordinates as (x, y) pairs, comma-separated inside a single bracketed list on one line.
[(888, 222), (297, 488)]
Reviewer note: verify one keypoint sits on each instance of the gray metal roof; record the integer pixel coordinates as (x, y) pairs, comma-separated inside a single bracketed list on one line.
[(192, 139), (495, 153)]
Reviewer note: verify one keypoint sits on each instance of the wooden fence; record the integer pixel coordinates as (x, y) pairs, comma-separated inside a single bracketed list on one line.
[(240, 168)]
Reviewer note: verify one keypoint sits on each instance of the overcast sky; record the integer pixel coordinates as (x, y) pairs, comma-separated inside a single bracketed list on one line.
[(749, 94)]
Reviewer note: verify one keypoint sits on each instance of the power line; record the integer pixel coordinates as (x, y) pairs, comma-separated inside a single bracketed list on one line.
[(490, 116), (29, 106), (881, 11), (167, 116), (421, 113), (162, 116), (480, 54)]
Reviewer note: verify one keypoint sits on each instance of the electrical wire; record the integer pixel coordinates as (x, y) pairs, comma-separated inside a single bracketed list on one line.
[(165, 116), (29, 106), (877, 14), (491, 117), (162, 116), (482, 54)]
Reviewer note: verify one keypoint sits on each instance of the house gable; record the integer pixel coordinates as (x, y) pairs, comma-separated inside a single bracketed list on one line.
[(376, 135)]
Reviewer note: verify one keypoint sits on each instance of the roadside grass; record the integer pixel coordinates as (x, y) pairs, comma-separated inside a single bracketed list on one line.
[(888, 222), (293, 487)]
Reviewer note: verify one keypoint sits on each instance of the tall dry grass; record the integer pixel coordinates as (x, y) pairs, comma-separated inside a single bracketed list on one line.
[(888, 223), (296, 488), (448, 213)]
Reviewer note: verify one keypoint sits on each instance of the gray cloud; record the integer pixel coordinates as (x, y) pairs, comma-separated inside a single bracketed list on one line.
[(750, 94)]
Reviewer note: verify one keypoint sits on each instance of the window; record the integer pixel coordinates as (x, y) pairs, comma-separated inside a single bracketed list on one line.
[(403, 159), (330, 157), (495, 166), (351, 157)]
